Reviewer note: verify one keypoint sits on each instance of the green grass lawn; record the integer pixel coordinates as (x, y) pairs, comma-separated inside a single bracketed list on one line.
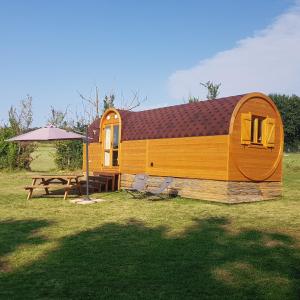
[(43, 158), (138, 249)]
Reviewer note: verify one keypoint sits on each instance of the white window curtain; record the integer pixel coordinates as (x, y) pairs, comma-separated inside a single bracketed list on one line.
[(107, 138)]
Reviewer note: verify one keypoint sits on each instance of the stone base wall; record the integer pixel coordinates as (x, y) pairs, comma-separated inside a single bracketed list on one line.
[(214, 190)]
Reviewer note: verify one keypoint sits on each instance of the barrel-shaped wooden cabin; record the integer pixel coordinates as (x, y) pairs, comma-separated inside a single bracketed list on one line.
[(228, 149)]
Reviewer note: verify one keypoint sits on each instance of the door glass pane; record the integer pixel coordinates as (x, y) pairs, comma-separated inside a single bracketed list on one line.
[(107, 138), (116, 137), (115, 158), (106, 158)]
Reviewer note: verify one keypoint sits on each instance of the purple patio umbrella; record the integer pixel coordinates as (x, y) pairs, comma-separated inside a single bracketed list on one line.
[(49, 133), (52, 133)]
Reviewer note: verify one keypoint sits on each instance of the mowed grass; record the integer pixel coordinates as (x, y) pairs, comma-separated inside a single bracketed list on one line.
[(137, 249), (43, 158)]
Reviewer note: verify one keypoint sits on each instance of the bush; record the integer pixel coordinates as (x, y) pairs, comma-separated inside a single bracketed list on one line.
[(13, 155), (68, 155)]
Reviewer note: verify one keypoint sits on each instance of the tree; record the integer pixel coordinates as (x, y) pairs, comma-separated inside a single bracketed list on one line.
[(289, 108), (57, 118), (91, 106), (21, 119), (68, 154), (134, 102), (12, 155), (108, 102), (212, 89)]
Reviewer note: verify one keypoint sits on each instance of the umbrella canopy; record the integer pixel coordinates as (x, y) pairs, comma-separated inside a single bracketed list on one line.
[(49, 133)]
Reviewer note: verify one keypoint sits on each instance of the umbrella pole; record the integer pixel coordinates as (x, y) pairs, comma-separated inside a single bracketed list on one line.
[(87, 163), (86, 199)]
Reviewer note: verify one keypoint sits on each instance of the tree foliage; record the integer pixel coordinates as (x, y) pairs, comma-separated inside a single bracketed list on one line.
[(16, 155), (212, 89), (289, 108), (68, 154), (193, 99), (108, 102), (93, 106), (57, 118)]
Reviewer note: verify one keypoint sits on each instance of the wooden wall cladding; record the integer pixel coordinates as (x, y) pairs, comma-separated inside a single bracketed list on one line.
[(255, 162), (193, 157), (95, 162), (133, 157)]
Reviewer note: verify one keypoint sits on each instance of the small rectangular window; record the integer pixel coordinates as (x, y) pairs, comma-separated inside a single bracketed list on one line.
[(257, 130)]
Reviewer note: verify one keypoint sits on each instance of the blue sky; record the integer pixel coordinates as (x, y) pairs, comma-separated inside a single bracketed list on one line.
[(52, 49)]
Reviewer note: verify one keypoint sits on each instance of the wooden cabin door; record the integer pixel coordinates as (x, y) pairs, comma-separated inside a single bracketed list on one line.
[(111, 145)]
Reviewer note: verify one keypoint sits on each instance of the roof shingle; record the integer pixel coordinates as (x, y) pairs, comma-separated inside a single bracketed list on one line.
[(203, 118), (93, 131)]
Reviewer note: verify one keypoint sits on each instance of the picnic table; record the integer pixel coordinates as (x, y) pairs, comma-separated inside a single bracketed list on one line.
[(66, 182)]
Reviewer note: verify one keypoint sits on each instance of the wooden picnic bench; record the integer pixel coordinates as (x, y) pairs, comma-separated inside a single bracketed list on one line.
[(44, 182), (100, 181), (108, 178), (96, 184)]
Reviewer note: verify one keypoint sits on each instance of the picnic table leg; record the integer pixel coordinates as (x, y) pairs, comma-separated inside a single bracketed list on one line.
[(66, 193), (46, 189), (29, 195), (67, 189)]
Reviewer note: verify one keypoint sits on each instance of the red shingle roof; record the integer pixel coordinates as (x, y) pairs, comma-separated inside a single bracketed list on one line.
[(93, 131), (203, 118)]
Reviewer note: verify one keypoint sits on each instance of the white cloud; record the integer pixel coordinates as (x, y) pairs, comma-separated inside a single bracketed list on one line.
[(267, 62)]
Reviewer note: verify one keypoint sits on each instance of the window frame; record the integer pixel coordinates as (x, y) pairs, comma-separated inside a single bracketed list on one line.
[(257, 131)]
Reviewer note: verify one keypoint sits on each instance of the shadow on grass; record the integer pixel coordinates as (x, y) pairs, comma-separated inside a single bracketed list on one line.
[(16, 233), (133, 261)]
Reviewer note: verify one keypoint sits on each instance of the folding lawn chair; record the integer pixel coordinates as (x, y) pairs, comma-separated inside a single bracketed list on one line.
[(159, 191), (138, 186)]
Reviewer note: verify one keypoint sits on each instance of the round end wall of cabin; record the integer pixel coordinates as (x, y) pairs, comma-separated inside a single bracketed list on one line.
[(256, 140)]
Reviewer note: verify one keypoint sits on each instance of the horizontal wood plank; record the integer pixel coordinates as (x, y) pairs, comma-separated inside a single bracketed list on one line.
[(192, 157)]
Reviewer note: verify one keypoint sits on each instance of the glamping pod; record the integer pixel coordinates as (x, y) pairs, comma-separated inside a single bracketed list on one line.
[(228, 149)]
